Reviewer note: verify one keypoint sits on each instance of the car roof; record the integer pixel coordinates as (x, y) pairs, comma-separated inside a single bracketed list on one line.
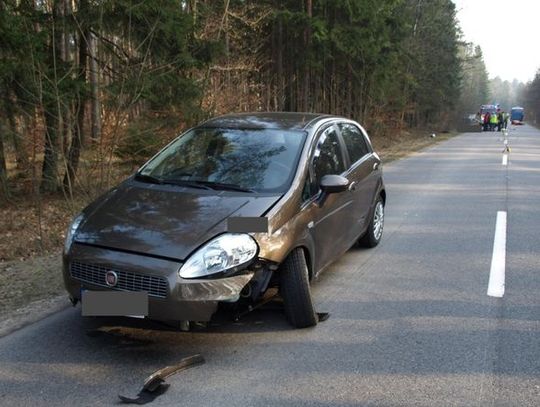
[(266, 120)]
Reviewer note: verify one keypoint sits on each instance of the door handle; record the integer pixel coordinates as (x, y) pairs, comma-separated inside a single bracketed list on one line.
[(352, 186), (375, 166)]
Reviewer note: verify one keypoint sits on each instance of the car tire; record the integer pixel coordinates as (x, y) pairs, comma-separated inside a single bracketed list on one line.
[(373, 235), (295, 291)]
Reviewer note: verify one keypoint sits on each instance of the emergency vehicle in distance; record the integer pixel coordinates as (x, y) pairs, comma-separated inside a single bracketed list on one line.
[(487, 108), (517, 115)]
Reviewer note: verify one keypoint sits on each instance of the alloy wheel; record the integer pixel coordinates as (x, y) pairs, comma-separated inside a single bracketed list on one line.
[(378, 220)]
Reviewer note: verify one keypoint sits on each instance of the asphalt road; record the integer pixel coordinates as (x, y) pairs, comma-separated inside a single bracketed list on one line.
[(410, 321)]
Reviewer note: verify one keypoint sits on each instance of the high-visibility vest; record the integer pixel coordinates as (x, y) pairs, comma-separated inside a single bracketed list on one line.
[(493, 119)]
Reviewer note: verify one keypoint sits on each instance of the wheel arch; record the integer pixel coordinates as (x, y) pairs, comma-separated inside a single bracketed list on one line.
[(382, 193), (309, 256)]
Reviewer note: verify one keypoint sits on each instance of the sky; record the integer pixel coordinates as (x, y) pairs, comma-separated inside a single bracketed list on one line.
[(508, 32)]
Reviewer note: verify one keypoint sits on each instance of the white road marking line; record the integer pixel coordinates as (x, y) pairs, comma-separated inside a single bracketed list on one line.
[(505, 159), (498, 260)]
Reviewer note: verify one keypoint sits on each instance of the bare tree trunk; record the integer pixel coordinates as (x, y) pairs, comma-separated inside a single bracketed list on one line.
[(225, 24), (78, 133), (49, 182), (52, 106), (191, 8), (307, 40), (58, 40), (279, 61), (67, 114), (4, 191), (20, 153), (348, 108), (94, 84)]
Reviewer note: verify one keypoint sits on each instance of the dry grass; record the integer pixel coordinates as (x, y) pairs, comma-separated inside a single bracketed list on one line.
[(33, 229), (401, 144), (22, 282)]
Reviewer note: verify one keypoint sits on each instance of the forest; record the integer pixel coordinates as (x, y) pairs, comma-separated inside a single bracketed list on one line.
[(90, 89)]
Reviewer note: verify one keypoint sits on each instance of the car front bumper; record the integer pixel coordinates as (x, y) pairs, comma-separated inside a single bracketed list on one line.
[(170, 297)]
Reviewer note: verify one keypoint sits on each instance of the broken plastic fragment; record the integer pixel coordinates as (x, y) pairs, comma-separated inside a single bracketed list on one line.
[(155, 385), (323, 316)]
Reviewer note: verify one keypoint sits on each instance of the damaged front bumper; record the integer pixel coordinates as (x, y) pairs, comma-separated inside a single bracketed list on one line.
[(170, 297)]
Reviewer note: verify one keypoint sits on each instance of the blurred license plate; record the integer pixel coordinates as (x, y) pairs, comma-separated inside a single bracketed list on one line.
[(114, 303)]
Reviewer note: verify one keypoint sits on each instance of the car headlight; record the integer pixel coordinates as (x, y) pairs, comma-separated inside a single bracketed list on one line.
[(70, 234), (227, 252)]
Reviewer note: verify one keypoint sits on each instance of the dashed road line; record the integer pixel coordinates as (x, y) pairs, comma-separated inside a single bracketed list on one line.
[(498, 260)]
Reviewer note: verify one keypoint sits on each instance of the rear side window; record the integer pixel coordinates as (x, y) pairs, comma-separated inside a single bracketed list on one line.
[(354, 140)]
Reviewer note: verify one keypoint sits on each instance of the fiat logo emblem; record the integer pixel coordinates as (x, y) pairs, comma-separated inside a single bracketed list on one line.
[(111, 278)]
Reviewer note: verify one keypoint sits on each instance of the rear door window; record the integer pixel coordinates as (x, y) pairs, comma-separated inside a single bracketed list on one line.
[(355, 141)]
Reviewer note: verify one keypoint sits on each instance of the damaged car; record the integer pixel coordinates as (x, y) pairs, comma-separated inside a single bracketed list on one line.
[(231, 208)]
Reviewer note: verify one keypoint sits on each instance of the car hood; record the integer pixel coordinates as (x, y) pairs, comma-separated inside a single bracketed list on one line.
[(162, 220)]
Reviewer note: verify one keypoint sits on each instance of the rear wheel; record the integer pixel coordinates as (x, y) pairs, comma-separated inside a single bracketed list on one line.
[(294, 288), (373, 235)]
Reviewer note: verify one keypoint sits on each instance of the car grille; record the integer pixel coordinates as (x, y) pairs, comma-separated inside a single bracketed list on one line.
[(127, 281)]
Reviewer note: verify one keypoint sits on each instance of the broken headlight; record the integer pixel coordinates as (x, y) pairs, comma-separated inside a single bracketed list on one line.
[(227, 252)]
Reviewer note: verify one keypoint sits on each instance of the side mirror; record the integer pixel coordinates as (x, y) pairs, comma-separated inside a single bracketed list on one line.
[(331, 184)]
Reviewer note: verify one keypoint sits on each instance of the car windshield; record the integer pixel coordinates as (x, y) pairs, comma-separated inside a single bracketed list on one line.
[(261, 160)]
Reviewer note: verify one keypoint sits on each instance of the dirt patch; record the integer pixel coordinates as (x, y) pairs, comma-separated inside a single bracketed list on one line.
[(30, 290), (33, 228), (404, 143), (31, 313), (23, 282)]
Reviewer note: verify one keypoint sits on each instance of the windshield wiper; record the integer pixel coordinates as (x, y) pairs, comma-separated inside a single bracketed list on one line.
[(224, 187), (161, 181), (148, 178), (186, 183), (192, 183)]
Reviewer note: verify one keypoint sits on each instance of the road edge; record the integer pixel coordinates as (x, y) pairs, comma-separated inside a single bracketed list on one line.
[(32, 313)]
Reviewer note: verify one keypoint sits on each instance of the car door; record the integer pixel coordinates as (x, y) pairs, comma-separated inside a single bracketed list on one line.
[(330, 221), (363, 172)]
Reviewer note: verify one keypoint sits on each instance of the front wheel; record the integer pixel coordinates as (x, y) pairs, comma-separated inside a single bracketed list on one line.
[(373, 235), (294, 288)]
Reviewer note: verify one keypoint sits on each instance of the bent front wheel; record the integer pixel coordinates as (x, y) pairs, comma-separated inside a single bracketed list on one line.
[(295, 290)]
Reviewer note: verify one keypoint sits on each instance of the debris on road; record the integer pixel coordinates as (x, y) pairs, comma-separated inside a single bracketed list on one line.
[(250, 308), (323, 316), (116, 337), (155, 385)]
